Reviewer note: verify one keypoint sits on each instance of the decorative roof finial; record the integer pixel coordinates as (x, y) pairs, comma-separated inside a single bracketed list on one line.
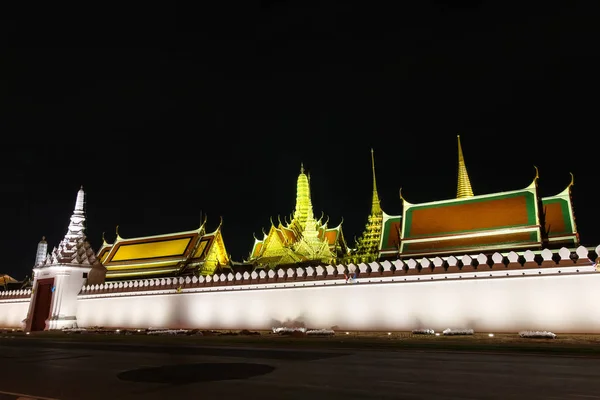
[(301, 167), (572, 179), (117, 231), (464, 188), (375, 203), (537, 172)]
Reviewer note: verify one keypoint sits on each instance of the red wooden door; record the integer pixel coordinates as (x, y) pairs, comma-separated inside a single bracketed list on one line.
[(41, 309)]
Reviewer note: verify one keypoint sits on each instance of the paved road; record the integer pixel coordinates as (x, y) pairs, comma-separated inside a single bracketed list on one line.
[(70, 371)]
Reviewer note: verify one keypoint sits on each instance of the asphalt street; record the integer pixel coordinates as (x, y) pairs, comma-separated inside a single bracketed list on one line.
[(47, 369)]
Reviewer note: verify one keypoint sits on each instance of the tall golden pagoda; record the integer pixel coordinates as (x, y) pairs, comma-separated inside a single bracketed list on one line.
[(464, 183), (382, 231), (367, 245), (304, 239)]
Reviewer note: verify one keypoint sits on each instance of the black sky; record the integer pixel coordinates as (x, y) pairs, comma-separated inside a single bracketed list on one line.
[(164, 112)]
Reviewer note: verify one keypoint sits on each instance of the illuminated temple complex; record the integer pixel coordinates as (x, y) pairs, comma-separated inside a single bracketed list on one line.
[(484, 223), (517, 253), (303, 240)]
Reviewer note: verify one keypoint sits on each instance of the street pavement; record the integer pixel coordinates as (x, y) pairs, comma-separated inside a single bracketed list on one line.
[(54, 370)]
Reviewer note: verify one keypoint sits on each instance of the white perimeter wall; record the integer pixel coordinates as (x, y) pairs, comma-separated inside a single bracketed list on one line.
[(12, 312), (557, 303)]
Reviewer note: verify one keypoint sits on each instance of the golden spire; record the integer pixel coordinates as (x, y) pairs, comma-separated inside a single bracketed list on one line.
[(304, 210), (375, 205), (367, 245), (464, 184)]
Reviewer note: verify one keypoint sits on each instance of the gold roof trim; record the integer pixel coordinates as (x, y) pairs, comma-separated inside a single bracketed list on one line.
[(533, 183), (162, 235), (572, 179), (404, 202)]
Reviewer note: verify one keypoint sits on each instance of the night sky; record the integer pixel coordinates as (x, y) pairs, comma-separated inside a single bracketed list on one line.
[(164, 113)]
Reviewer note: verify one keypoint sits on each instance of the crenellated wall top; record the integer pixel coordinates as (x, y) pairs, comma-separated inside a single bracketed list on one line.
[(527, 260), (15, 294)]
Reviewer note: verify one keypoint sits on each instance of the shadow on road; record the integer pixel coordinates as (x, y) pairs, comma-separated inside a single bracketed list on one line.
[(180, 374)]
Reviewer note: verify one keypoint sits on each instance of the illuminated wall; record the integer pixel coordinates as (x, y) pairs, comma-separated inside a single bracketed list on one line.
[(487, 293), (556, 302), (13, 311)]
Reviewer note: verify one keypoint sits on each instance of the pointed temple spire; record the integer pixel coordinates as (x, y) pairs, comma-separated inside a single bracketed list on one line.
[(304, 209), (375, 205), (76, 226), (74, 249), (464, 184), (367, 245)]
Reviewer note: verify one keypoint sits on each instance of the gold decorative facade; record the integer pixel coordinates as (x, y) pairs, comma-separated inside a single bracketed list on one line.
[(303, 240)]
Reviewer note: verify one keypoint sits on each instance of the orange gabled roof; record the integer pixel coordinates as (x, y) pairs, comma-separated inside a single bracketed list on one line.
[(289, 234), (258, 244), (321, 232), (390, 233), (559, 220), (280, 235), (456, 244), (469, 215), (331, 236), (478, 223)]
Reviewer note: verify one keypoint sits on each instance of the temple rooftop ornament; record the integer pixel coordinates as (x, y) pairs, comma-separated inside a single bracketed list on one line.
[(464, 188)]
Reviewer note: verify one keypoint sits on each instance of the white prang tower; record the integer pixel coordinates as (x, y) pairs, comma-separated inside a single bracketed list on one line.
[(59, 277), (42, 251)]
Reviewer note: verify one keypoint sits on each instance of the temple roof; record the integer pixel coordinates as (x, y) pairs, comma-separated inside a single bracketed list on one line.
[(559, 218), (158, 254), (508, 219), (5, 279), (390, 236)]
